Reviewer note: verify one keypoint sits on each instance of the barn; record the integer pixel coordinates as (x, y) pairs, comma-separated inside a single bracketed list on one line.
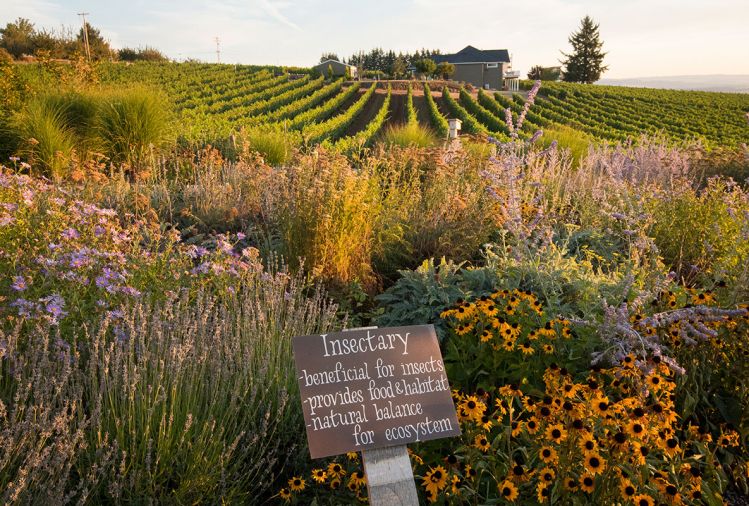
[(338, 68)]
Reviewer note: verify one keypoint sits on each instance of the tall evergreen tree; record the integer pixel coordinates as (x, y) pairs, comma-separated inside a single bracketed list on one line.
[(585, 64)]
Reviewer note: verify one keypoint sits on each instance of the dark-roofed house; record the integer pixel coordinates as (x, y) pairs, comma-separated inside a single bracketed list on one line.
[(338, 68), (489, 68)]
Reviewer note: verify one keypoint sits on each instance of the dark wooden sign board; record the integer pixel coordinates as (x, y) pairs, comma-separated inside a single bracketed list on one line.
[(374, 391)]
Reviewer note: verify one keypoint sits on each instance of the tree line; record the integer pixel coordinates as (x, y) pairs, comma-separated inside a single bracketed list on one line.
[(385, 63), (20, 39)]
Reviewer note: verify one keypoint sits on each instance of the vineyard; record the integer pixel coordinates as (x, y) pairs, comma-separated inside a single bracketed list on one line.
[(167, 230), (213, 101)]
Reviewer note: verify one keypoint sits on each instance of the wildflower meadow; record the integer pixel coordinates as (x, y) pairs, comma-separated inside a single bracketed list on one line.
[(591, 303)]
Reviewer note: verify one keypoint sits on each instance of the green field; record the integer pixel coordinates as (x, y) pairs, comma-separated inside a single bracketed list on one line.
[(214, 100)]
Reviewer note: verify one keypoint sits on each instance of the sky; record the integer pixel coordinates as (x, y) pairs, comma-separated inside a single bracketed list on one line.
[(642, 37)]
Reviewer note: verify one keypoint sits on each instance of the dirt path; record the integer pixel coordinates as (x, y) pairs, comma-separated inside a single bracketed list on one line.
[(422, 111), (397, 114), (366, 115)]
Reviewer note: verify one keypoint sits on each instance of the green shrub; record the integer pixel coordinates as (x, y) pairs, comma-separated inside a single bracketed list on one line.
[(274, 144), (44, 136), (132, 125), (410, 134), (704, 235)]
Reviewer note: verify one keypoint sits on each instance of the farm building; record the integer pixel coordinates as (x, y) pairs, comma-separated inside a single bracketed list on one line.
[(489, 68), (339, 68)]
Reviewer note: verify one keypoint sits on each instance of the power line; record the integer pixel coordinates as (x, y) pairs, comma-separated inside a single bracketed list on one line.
[(85, 33), (218, 50)]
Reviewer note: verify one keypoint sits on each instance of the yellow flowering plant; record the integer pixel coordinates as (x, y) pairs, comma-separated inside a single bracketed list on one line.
[(547, 428)]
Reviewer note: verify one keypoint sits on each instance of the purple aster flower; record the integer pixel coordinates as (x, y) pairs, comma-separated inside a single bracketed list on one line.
[(54, 305), (19, 284), (70, 233)]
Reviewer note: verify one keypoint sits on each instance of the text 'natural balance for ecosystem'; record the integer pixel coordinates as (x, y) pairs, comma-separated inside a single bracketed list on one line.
[(371, 388)]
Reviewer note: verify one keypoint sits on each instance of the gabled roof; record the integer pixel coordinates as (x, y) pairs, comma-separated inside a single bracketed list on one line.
[(334, 61), (470, 54)]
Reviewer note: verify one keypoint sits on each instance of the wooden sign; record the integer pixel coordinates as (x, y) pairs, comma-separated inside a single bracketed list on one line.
[(373, 388)]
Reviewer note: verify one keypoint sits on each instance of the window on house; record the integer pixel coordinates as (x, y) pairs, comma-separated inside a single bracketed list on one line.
[(492, 65)]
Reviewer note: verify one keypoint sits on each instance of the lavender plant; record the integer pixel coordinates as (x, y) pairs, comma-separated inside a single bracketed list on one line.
[(188, 400)]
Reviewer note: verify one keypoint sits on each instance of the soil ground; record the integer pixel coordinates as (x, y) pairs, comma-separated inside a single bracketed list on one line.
[(397, 114), (366, 115)]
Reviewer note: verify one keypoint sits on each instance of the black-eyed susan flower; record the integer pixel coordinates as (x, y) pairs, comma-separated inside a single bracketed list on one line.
[(627, 489), (594, 463), (336, 470), (490, 309), (482, 443), (728, 438), (526, 348), (601, 405), (473, 408), (548, 455), (519, 473), (643, 500), (570, 484), (455, 484), (486, 336), (532, 425), (451, 460), (285, 494), (671, 447), (353, 456), (547, 474), (463, 329), (297, 484), (358, 478), (319, 475), (588, 444), (508, 491), (435, 479), (587, 483), (636, 429), (555, 433), (672, 495), (469, 471), (548, 348), (543, 492)]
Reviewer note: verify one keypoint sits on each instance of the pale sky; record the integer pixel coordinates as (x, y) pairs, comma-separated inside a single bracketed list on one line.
[(642, 37)]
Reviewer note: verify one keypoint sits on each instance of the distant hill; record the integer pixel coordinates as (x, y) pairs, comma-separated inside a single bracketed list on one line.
[(738, 83)]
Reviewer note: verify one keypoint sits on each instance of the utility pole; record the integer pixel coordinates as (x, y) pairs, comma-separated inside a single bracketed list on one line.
[(85, 34), (218, 50)]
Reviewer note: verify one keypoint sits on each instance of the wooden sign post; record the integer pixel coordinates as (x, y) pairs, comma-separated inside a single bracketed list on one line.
[(374, 391)]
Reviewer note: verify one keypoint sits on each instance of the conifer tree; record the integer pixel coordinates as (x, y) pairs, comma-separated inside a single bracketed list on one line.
[(585, 64)]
